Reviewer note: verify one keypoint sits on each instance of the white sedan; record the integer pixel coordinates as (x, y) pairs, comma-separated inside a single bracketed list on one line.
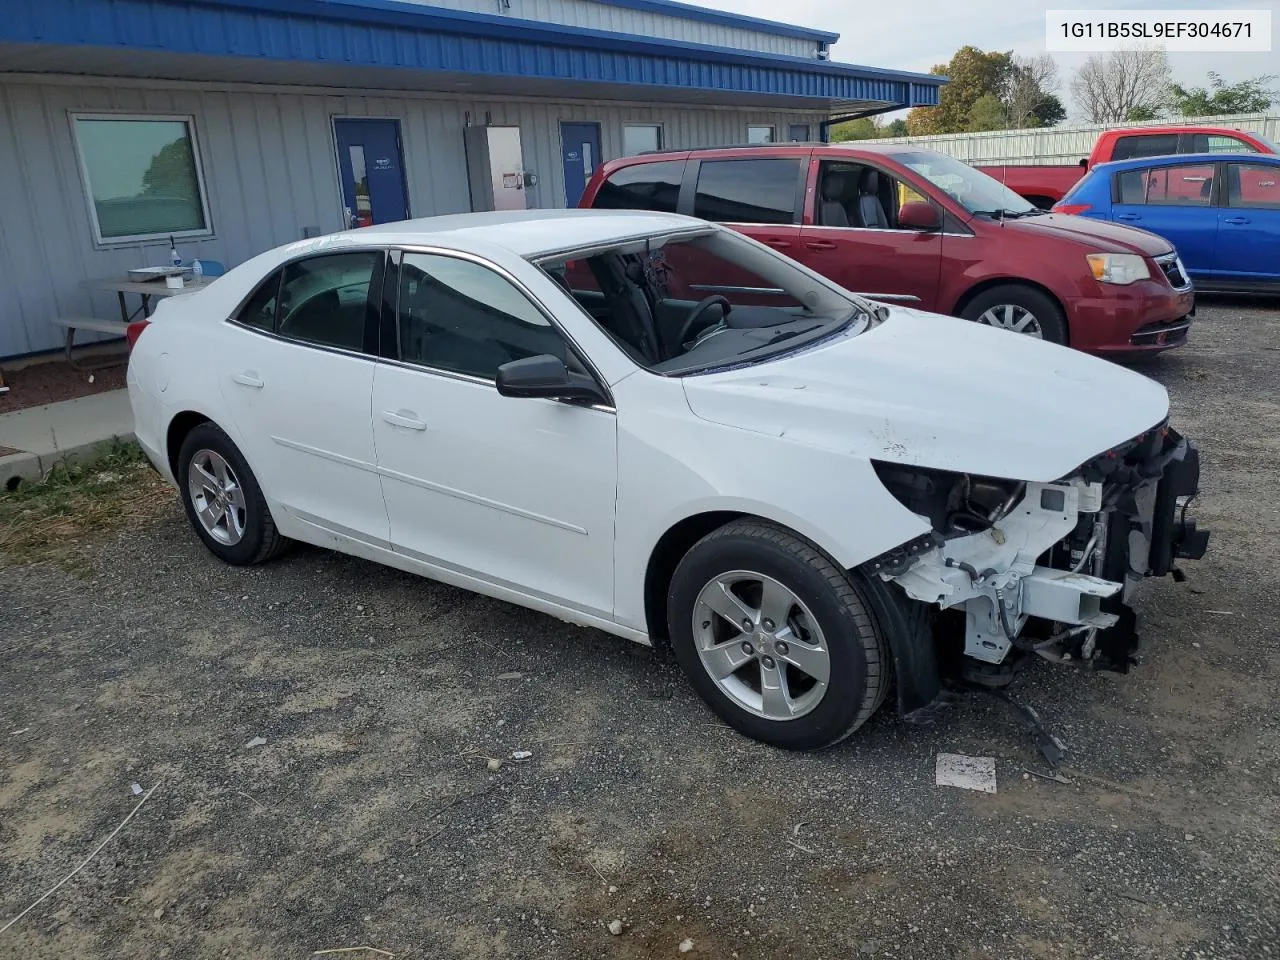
[(657, 427)]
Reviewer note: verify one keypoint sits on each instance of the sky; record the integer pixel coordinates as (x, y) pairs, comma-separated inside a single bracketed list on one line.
[(919, 33)]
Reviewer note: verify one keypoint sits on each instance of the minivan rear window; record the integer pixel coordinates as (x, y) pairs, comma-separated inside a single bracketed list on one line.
[(642, 186), (748, 191)]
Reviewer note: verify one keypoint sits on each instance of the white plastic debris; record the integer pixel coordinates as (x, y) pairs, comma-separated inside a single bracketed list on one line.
[(615, 927), (686, 945), (510, 675), (521, 755), (256, 742), (967, 773), (136, 788)]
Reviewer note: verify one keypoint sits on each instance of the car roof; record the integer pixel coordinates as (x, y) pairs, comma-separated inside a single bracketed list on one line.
[(526, 233), (1172, 159)]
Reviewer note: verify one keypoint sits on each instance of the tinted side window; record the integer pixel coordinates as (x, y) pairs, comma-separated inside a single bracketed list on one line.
[(643, 186), (259, 310), (325, 299), (1253, 185), (460, 316), (1131, 187), (1184, 186), (747, 191), (1148, 145), (1216, 143)]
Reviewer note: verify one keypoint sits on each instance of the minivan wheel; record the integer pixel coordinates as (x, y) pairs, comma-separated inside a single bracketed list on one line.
[(1018, 309), (223, 500), (775, 637)]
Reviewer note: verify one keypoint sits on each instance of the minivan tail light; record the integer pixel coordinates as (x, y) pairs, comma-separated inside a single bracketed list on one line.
[(134, 331), (1071, 208)]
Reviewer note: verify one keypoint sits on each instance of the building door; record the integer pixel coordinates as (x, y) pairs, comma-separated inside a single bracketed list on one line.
[(371, 167), (580, 154)]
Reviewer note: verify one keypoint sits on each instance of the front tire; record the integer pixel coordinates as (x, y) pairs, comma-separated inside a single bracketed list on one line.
[(223, 500), (775, 637), (1018, 309)]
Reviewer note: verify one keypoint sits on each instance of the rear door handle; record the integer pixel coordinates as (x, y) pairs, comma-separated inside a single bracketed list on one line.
[(1237, 220), (820, 245), (403, 419), (1128, 216), (778, 243), (249, 379)]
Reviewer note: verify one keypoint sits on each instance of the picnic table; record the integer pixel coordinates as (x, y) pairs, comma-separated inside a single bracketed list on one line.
[(146, 289)]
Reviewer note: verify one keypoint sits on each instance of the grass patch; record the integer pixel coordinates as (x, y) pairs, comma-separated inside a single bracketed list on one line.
[(74, 504)]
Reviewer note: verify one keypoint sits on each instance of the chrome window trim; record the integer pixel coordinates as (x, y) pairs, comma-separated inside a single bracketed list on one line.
[(917, 233), (719, 288)]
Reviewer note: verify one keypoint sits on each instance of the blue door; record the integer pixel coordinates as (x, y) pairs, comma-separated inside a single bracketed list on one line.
[(372, 171), (1249, 222), (580, 154), (1175, 201)]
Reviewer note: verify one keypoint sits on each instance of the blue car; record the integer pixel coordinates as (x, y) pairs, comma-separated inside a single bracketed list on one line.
[(1221, 211)]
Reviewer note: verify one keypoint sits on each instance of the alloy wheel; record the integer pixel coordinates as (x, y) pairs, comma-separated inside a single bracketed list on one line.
[(217, 496), (1011, 317), (761, 645)]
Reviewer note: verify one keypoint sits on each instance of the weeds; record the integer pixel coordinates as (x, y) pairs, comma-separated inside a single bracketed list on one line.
[(52, 519)]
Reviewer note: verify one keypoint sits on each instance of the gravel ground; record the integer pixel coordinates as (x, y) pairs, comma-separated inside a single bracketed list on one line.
[(370, 816)]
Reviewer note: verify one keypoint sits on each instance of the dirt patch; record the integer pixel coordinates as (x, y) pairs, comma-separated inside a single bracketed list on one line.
[(55, 380)]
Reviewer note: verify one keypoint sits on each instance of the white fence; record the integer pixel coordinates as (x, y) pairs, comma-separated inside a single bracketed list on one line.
[(1066, 144)]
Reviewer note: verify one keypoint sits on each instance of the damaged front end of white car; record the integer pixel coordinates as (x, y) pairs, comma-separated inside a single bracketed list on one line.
[(1046, 569)]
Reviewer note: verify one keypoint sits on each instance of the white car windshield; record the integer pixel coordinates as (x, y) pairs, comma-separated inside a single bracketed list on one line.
[(704, 300), (972, 189)]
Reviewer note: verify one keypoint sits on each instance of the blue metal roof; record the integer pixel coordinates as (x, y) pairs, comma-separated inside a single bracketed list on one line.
[(390, 34), (690, 12)]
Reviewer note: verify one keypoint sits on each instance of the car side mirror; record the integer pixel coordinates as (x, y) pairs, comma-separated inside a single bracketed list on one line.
[(918, 215), (547, 376)]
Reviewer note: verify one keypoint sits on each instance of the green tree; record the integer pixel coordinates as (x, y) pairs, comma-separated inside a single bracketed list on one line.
[(864, 128), (172, 172), (987, 113), (1049, 111), (1219, 98), (898, 128), (972, 74)]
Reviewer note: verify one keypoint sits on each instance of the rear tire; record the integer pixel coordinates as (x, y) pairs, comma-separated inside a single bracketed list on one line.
[(223, 501), (801, 664), (1010, 305)]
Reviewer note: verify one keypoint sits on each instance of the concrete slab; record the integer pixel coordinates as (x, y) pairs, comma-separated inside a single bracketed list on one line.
[(58, 432)]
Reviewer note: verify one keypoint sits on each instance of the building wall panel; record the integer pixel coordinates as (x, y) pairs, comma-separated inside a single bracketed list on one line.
[(270, 172)]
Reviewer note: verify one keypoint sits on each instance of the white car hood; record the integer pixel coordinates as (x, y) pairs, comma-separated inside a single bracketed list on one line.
[(935, 391)]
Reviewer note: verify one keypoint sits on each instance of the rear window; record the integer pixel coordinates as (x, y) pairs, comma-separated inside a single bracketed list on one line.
[(1148, 145), (642, 186), (748, 191)]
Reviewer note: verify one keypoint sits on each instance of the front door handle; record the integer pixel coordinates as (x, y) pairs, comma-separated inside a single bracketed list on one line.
[(249, 379), (403, 419), (820, 245), (1237, 220), (778, 243), (1128, 216)]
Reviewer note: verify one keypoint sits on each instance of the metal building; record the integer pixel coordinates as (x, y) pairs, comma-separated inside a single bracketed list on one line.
[(237, 125)]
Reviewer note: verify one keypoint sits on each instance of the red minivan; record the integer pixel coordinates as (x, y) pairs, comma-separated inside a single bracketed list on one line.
[(919, 228)]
